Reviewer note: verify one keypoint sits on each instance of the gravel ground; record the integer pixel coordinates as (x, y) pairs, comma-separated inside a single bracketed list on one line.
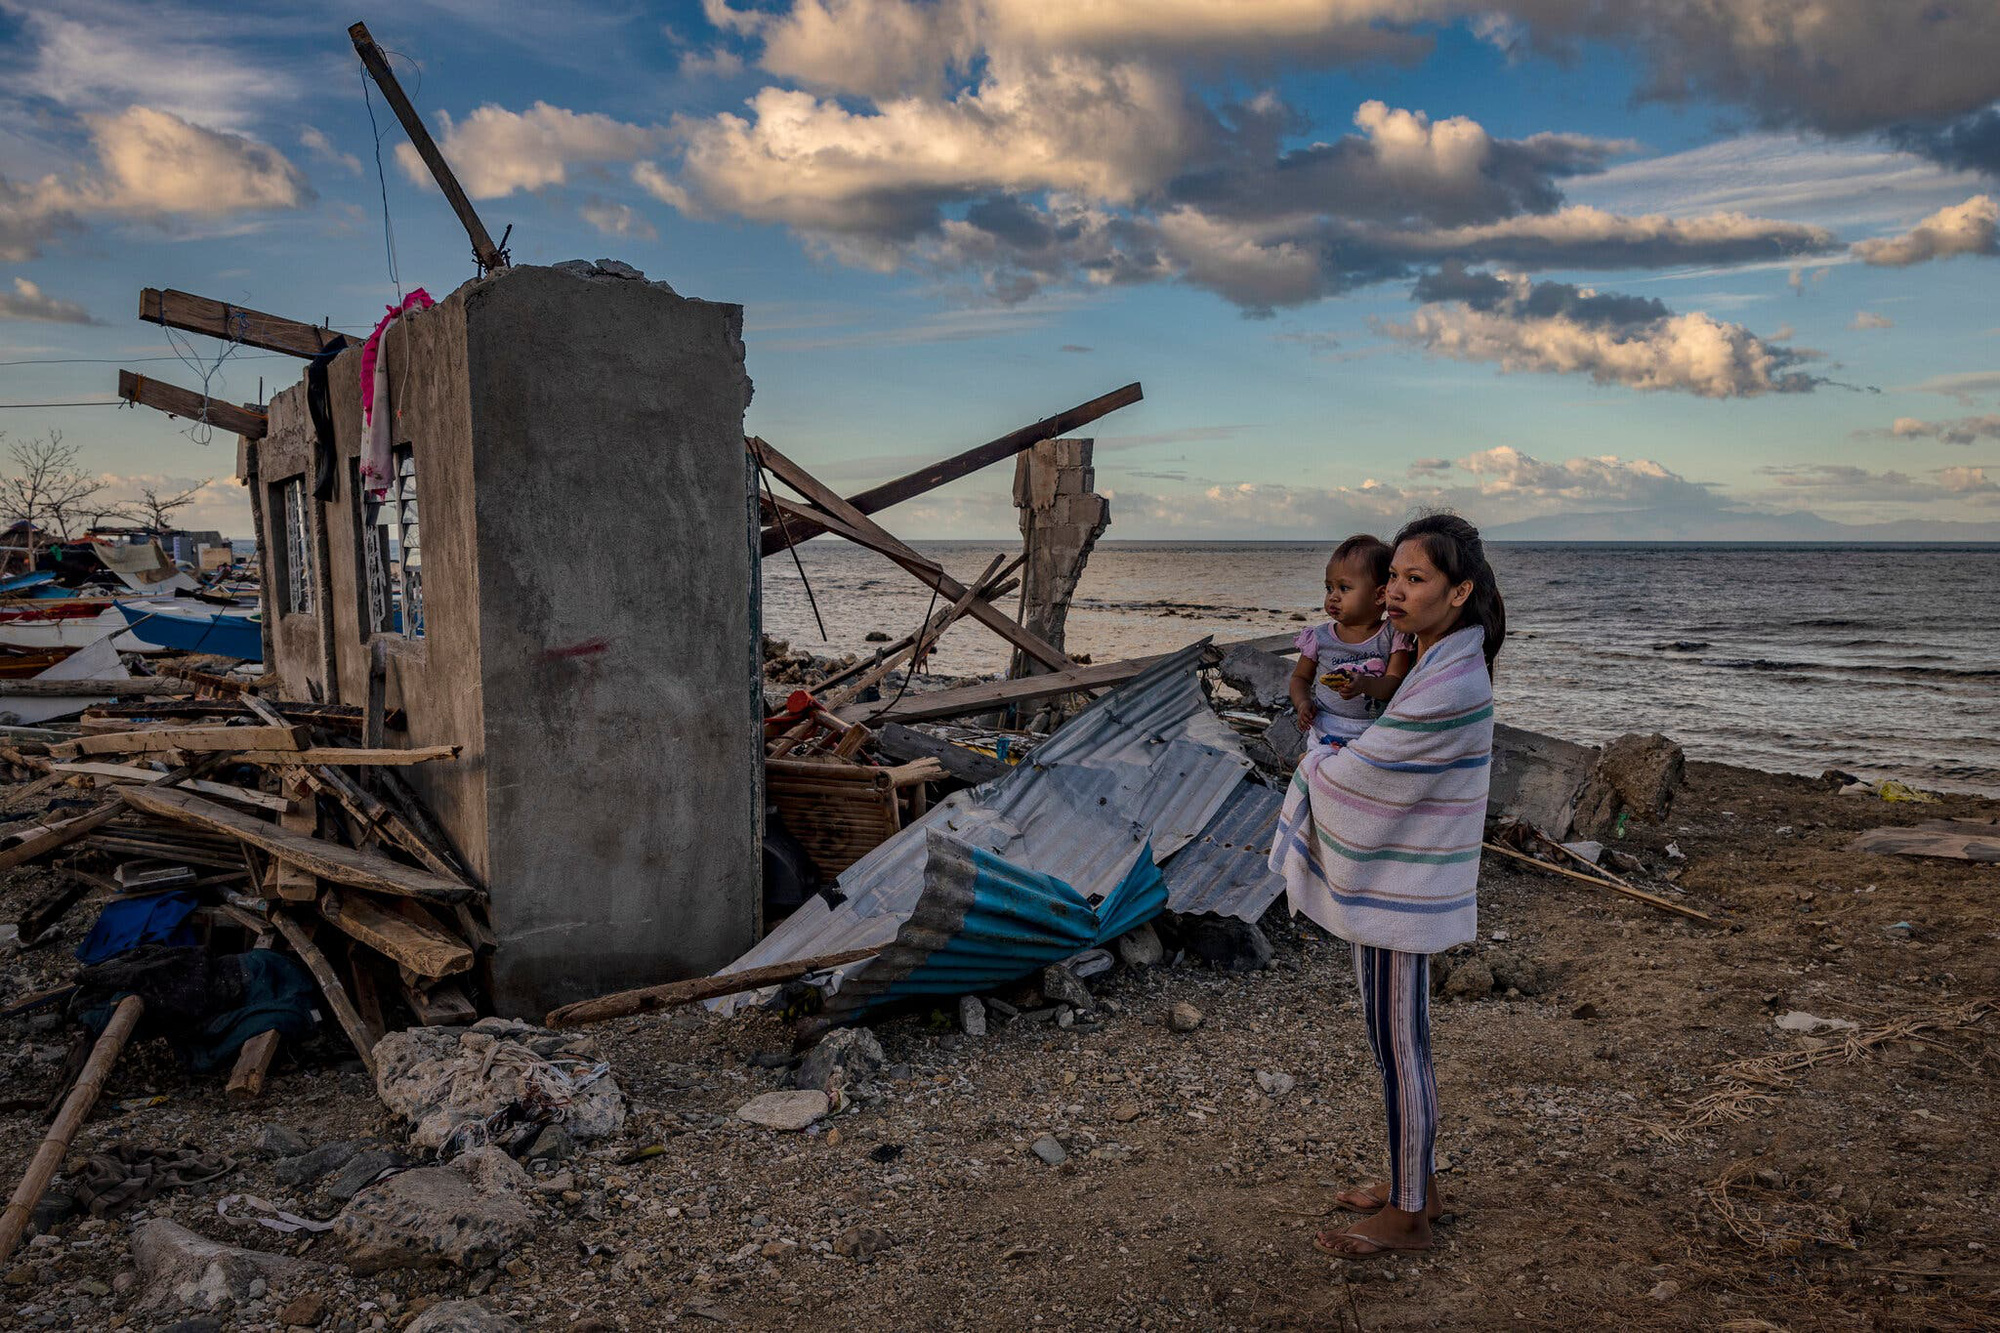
[(1857, 1192)]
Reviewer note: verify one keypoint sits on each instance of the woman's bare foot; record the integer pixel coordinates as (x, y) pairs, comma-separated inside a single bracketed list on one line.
[(1370, 1198), (1392, 1229)]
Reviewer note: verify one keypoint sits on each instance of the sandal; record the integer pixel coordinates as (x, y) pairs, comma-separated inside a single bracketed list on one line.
[(1363, 1199), (1376, 1248)]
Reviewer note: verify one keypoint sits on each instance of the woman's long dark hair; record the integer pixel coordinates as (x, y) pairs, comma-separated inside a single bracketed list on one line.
[(1454, 547)]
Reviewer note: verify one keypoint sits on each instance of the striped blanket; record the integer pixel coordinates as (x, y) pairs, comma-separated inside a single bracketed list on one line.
[(1379, 841)]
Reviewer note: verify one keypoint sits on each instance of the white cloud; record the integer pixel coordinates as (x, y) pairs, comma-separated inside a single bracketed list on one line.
[(152, 163), (314, 141), (615, 219), (28, 301), (91, 57), (1504, 471), (1868, 319), (1106, 132), (1970, 228), (1583, 237), (495, 152), (1963, 430), (1965, 386), (1562, 329), (1967, 481)]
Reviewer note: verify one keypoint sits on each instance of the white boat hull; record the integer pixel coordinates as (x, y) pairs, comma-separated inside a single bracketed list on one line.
[(76, 633)]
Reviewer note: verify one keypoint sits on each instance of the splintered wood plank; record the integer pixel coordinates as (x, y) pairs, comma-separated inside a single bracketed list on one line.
[(187, 740), (150, 777), (330, 861), (398, 931), (253, 1064), (420, 754), (300, 938), (443, 1005), (234, 323), (178, 402)]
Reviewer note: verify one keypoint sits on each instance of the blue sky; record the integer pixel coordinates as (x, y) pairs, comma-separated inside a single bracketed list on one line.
[(1524, 259)]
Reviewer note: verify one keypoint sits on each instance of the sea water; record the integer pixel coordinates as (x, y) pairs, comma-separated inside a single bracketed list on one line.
[(1883, 661)]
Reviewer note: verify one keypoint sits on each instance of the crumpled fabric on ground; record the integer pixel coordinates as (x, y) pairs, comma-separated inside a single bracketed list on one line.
[(127, 923), (377, 471), (463, 1087), (205, 1007), (125, 1174)]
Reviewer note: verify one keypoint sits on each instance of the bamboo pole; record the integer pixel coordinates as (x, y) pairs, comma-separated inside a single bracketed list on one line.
[(1626, 889), (652, 998), (75, 1107)]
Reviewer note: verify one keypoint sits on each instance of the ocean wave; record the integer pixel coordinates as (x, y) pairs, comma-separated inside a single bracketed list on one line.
[(1849, 669), (1683, 646)]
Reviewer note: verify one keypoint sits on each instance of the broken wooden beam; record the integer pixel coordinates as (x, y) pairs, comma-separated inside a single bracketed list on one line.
[(253, 1065), (79, 689), (75, 1110), (900, 742), (400, 932), (187, 740), (959, 465), (103, 813), (328, 860), (178, 402), (329, 754), (879, 539), (998, 693), (350, 1022), (489, 256), (652, 998), (150, 777), (234, 323)]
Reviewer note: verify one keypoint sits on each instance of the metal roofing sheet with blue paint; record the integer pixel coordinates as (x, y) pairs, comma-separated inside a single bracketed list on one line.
[(1149, 760)]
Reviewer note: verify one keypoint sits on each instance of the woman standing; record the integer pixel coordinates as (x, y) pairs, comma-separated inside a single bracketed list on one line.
[(1379, 843)]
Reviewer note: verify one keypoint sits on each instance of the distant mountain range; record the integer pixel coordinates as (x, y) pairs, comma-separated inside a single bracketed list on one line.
[(1730, 525)]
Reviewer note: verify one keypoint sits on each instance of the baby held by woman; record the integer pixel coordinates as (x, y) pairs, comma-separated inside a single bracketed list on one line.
[(1350, 666)]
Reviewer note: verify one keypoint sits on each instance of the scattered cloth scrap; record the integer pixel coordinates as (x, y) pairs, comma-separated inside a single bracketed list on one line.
[(376, 469), (125, 1174)]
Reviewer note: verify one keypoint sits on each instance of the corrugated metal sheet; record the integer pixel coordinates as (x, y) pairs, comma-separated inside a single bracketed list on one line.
[(1149, 761), (982, 921), (1224, 870)]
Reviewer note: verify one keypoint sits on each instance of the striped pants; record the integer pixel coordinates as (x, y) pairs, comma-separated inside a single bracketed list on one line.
[(1396, 1001)]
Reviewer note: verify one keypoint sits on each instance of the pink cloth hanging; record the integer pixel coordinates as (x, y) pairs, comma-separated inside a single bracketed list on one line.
[(377, 470)]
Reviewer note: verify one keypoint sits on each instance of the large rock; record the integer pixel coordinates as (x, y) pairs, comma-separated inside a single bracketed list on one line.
[(790, 1111), (1636, 774), (1537, 779), (1645, 771), (1265, 679), (181, 1270), (461, 1317), (468, 1214), (1061, 986), (845, 1058), (441, 1078), (1225, 943)]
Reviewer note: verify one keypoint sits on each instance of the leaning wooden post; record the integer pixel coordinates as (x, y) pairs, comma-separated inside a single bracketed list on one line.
[(489, 255), (89, 1084)]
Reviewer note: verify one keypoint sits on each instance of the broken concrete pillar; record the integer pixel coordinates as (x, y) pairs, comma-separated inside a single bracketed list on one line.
[(1061, 519)]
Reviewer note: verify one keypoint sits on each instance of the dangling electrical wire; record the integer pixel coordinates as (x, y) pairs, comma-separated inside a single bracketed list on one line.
[(382, 181), (765, 482)]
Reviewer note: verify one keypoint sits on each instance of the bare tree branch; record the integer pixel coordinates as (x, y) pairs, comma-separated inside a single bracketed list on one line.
[(155, 510)]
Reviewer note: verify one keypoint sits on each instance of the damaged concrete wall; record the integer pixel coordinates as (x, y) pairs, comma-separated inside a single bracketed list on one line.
[(590, 581), (1061, 520)]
